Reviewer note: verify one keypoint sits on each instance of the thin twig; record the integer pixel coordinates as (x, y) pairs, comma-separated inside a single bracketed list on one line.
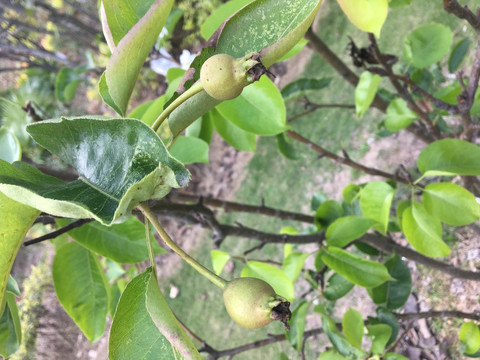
[(62, 230), (438, 314), (462, 12)]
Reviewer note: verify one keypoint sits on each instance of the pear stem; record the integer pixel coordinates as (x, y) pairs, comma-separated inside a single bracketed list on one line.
[(194, 89), (217, 280)]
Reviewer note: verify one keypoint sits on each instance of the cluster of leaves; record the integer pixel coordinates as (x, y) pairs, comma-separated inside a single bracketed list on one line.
[(122, 163)]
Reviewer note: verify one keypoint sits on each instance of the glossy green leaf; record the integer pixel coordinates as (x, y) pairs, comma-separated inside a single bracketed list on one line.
[(286, 148), (458, 54), (15, 220), (66, 84), (365, 91), (10, 329), (134, 32), (277, 279), (145, 326), (124, 243), (219, 260), (423, 231), (398, 115), (337, 287), (303, 86), (232, 134), (189, 150), (451, 203), (380, 333), (202, 128), (10, 149), (393, 294), (352, 325), (470, 336), (385, 316), (259, 109), (354, 268), (12, 287), (219, 15), (346, 229), (339, 341), (375, 201), (367, 15), (427, 44), (297, 325), (121, 162), (87, 304), (115, 294), (328, 212), (449, 157), (350, 193), (271, 27), (293, 265)]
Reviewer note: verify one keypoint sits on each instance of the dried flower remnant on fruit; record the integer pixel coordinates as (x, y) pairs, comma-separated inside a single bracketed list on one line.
[(252, 303)]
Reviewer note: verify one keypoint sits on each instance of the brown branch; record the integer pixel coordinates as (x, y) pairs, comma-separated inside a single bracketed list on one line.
[(311, 107), (438, 314), (384, 244), (453, 7), (400, 89), (27, 52), (238, 207), (345, 160), (62, 230)]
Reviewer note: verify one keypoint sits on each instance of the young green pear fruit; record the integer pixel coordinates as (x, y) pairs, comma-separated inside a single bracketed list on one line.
[(252, 303), (223, 77)]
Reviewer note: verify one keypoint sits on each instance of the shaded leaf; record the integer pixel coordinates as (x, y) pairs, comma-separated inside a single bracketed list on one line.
[(124, 243), (286, 147), (365, 91), (66, 84), (232, 134), (10, 329), (297, 325), (189, 150), (337, 287), (87, 304), (303, 86), (10, 149), (458, 54), (328, 212), (398, 115)]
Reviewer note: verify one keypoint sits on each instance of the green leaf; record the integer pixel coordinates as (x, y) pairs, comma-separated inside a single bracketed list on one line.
[(352, 325), (285, 20), (259, 109), (470, 336), (297, 325), (458, 54), (399, 3), (293, 265), (277, 279), (87, 304), (232, 134), (338, 340), (124, 243), (295, 50), (189, 150), (394, 356), (304, 86), (375, 202), (331, 355), (121, 163), (66, 84), (219, 15), (337, 287), (427, 44), (10, 149), (393, 294), (145, 325), (152, 112), (385, 316), (219, 260), (423, 231), (328, 212), (201, 128), (365, 91), (398, 115), (355, 269), (15, 220), (451, 204), (346, 229), (12, 287), (380, 334), (367, 15), (449, 93), (449, 157), (286, 148), (134, 28), (10, 329)]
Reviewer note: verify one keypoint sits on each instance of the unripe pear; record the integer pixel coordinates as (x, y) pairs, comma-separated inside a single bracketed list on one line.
[(223, 77), (252, 303)]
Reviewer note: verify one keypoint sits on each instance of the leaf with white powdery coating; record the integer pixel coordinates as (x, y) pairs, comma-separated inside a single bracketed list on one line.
[(121, 162)]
